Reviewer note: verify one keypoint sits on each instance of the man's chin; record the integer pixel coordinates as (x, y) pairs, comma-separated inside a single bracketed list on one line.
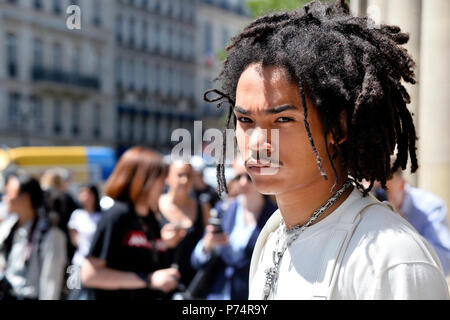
[(268, 185)]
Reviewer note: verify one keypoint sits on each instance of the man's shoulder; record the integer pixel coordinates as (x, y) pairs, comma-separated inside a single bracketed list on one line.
[(385, 239)]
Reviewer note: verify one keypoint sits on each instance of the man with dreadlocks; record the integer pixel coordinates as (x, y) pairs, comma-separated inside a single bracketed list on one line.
[(330, 85)]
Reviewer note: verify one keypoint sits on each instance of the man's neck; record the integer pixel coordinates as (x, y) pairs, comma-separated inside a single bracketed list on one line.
[(297, 206)]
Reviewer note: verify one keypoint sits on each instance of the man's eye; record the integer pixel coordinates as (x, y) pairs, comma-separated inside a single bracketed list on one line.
[(284, 119), (244, 119)]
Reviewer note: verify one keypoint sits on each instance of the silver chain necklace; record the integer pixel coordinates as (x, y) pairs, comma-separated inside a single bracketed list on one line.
[(272, 273)]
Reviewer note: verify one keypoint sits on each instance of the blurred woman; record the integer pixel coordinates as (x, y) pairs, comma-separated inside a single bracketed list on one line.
[(32, 250), (180, 211), (82, 226), (124, 259)]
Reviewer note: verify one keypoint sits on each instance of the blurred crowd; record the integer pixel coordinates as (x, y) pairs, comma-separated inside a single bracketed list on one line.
[(165, 234)]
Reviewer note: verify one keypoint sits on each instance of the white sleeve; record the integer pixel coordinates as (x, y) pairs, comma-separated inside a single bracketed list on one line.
[(74, 220), (53, 255), (411, 281)]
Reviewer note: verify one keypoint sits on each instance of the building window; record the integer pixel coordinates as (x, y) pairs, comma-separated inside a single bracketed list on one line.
[(96, 120), (38, 57), (119, 29), (76, 118), (13, 110), (57, 7), (76, 61), (169, 81), (57, 117), (207, 38), (169, 46), (157, 79), (157, 37), (119, 74), (175, 83), (144, 128), (191, 47), (98, 68), (144, 35), (57, 57), (131, 75), (176, 10), (130, 128), (96, 16), (11, 55), (37, 112), (37, 4), (131, 32), (145, 77)]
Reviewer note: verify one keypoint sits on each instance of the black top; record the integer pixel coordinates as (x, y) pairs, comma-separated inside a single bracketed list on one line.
[(127, 242), (181, 254)]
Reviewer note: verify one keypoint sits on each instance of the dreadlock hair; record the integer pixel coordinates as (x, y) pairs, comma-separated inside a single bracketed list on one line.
[(344, 64)]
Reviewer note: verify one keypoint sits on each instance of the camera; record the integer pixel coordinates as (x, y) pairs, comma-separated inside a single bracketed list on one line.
[(215, 220)]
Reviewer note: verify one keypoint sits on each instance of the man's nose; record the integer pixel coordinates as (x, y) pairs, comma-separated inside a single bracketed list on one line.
[(259, 142)]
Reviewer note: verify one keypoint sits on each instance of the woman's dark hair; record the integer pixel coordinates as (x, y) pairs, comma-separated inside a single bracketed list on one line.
[(30, 186), (342, 64), (94, 190), (134, 174)]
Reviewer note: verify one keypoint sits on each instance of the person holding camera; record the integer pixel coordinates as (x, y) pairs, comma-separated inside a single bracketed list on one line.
[(227, 245)]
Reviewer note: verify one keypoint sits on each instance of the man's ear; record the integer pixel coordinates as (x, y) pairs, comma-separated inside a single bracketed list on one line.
[(341, 131)]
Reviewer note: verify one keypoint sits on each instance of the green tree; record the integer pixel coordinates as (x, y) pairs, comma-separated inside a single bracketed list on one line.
[(261, 7)]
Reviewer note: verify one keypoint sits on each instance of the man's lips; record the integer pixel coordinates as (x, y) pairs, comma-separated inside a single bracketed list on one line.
[(262, 168), (262, 165)]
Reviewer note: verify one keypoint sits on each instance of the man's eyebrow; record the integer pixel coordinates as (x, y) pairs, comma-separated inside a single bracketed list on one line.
[(242, 110), (273, 110), (280, 109)]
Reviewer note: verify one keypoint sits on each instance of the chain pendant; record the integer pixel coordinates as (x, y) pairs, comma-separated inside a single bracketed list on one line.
[(272, 273), (271, 278)]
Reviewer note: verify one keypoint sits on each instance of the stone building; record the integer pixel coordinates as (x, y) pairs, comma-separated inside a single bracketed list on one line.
[(155, 70), (218, 21), (134, 72), (55, 86)]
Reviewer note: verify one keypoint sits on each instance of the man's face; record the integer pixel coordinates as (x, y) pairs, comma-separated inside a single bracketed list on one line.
[(265, 99)]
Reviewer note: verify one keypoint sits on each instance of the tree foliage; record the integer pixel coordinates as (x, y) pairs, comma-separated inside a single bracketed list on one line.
[(261, 7)]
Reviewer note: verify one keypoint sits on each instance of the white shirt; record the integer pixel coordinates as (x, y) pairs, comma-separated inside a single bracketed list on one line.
[(85, 224), (386, 258)]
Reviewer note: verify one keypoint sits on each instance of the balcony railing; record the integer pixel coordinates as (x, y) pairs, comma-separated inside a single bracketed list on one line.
[(44, 74)]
